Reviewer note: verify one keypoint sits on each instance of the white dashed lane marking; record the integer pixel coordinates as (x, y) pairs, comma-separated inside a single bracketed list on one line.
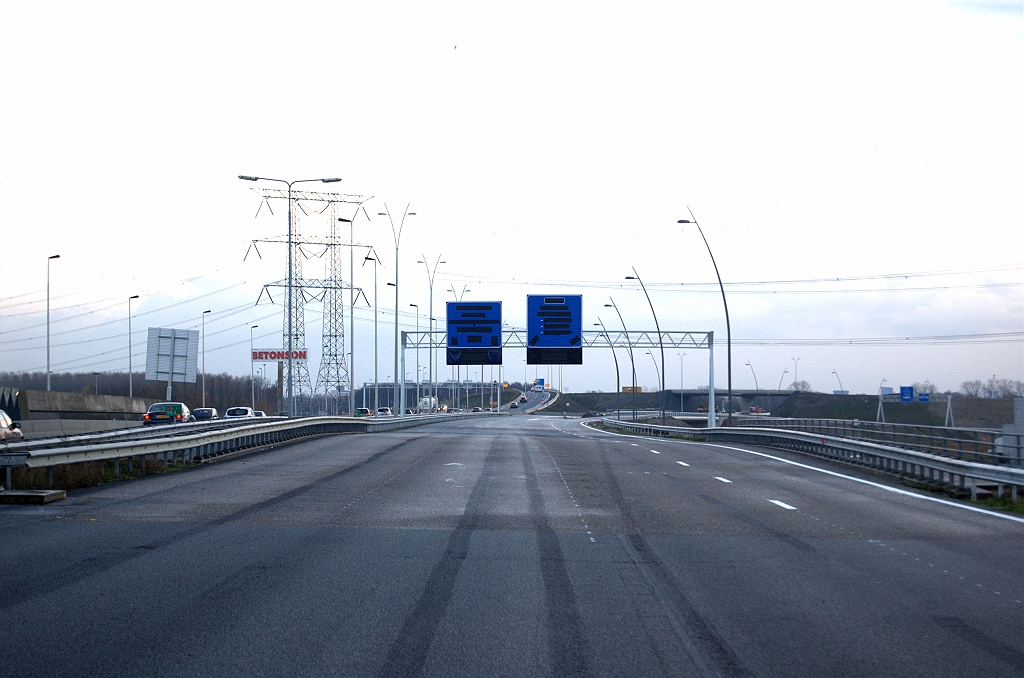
[(782, 504), (682, 463), (724, 480), (655, 451)]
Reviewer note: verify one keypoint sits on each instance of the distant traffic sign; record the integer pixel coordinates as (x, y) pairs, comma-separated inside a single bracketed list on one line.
[(906, 394), (474, 333), (554, 327)]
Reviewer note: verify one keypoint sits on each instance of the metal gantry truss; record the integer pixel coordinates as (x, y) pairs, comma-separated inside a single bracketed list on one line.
[(517, 338), (333, 376)]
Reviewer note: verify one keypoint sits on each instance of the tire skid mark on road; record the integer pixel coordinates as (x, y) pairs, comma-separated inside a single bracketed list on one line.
[(26, 590), (702, 643), (567, 644), (409, 651)]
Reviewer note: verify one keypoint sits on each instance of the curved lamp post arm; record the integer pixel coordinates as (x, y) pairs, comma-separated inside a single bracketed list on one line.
[(661, 344), (728, 330)]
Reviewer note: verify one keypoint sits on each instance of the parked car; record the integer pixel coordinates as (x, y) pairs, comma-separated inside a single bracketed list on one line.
[(9, 433), (239, 413), (384, 412), (167, 413), (363, 412), (205, 413)]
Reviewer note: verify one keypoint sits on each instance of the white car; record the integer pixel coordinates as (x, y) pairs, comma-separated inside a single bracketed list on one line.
[(384, 412), (239, 413)]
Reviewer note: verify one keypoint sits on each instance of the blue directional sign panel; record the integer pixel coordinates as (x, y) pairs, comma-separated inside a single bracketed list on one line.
[(554, 329), (924, 398), (906, 394), (474, 333)]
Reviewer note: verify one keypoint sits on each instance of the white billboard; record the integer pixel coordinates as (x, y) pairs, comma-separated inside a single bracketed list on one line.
[(172, 355)]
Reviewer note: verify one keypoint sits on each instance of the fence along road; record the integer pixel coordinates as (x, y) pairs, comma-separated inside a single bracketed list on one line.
[(524, 545)]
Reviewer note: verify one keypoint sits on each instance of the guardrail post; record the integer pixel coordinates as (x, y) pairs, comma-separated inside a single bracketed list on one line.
[(7, 479), (117, 467), (49, 477)]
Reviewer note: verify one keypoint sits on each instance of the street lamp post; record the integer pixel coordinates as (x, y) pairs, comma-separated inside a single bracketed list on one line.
[(618, 386), (418, 378), (661, 344), (430, 347), (397, 235), (842, 401), (204, 357), (376, 388), (291, 275), (629, 345), (756, 387), (728, 330), (134, 296), (778, 390), (458, 368), (681, 356), (48, 260), (252, 376), (796, 379)]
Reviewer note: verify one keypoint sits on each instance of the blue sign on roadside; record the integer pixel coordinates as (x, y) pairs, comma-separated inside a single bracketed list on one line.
[(924, 397), (474, 333), (554, 329), (906, 394)]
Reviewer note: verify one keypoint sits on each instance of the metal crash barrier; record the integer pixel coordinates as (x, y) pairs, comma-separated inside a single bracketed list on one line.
[(957, 473), (179, 444)]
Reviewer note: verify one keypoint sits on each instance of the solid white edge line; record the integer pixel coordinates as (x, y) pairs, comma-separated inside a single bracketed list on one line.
[(782, 504), (837, 475), (868, 482)]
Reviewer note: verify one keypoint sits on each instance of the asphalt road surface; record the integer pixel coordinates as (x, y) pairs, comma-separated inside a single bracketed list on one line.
[(518, 546)]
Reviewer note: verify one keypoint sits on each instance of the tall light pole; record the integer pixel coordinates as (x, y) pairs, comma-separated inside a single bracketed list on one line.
[(204, 357), (48, 260), (756, 387), (134, 296), (842, 402), (784, 373), (458, 368), (661, 343), (430, 347), (629, 345), (881, 410), (291, 275), (618, 386), (252, 376), (796, 379), (681, 356), (728, 330), (397, 234), (418, 377), (372, 256), (351, 313)]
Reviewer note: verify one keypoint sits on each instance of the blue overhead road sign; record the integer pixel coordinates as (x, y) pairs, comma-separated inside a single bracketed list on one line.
[(474, 333), (906, 394), (554, 329)]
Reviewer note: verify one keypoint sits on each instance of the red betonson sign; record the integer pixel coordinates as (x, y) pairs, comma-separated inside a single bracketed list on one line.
[(269, 355)]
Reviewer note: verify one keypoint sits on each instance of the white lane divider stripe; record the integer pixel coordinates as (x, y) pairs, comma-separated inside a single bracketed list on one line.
[(634, 445), (724, 480), (655, 451), (868, 482), (682, 463), (782, 504)]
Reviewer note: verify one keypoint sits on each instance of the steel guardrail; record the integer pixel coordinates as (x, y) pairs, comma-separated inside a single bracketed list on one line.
[(178, 444), (956, 473)]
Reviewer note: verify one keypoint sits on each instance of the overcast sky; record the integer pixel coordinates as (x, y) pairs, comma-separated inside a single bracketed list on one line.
[(856, 168)]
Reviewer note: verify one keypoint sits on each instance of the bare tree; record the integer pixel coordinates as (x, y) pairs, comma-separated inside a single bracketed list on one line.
[(926, 387), (800, 386), (971, 388)]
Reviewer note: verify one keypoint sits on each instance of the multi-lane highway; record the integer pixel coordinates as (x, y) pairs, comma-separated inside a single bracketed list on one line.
[(524, 545)]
